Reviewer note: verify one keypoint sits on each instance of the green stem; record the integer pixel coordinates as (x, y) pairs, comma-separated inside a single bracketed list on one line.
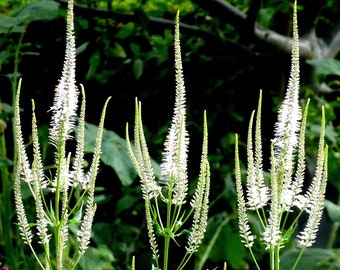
[(166, 252), (254, 259), (277, 257), (272, 258), (166, 236), (332, 235), (298, 258), (58, 219), (6, 204), (203, 259), (334, 229)]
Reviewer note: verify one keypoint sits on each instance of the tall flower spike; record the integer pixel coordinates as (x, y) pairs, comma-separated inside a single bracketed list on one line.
[(245, 233), (38, 183), (64, 109), (257, 192), (140, 157), (316, 192), (78, 177), (22, 171), (174, 164), (84, 233), (288, 124), (200, 200), (287, 173), (172, 186)]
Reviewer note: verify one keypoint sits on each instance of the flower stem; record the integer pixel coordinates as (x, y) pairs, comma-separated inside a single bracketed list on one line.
[(166, 236)]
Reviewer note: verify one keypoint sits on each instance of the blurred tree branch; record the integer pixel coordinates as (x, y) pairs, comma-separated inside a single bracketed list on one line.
[(311, 45)]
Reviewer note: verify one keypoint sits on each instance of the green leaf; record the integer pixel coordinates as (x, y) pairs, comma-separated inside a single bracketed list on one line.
[(77, 216), (102, 198), (135, 48), (138, 66), (333, 211), (168, 232), (37, 11), (114, 152), (10, 24), (101, 235), (324, 67), (82, 47), (34, 11), (93, 63), (118, 50), (312, 259), (5, 162), (97, 258), (126, 31), (227, 245), (125, 203)]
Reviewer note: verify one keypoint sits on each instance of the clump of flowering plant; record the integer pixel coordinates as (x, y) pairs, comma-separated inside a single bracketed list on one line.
[(172, 187), (274, 203), (66, 192)]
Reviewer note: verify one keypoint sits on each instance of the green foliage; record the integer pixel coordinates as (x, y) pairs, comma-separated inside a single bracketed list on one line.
[(17, 21), (114, 153), (100, 257), (324, 68), (222, 244), (333, 211), (314, 259), (161, 7)]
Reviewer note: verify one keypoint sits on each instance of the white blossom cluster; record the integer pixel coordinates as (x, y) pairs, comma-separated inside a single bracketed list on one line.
[(284, 192), (172, 185), (52, 190)]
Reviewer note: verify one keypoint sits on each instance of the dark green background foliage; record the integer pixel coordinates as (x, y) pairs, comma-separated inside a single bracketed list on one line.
[(125, 50)]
